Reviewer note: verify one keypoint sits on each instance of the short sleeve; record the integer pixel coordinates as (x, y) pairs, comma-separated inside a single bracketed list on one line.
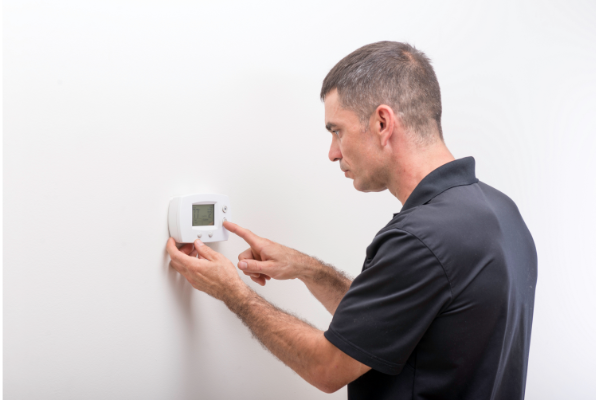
[(391, 304)]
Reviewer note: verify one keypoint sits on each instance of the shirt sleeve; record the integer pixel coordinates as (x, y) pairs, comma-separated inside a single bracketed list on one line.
[(391, 304)]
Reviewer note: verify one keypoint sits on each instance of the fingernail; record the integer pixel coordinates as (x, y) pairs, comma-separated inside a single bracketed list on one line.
[(198, 243), (242, 265)]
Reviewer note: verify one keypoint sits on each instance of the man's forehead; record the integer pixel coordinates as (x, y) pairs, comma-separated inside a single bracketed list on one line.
[(332, 109), (337, 117)]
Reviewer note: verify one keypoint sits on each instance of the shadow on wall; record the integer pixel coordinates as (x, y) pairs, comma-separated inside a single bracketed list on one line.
[(188, 342), (182, 292)]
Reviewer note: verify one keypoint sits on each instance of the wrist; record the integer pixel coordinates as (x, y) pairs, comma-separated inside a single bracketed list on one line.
[(237, 296), (309, 268)]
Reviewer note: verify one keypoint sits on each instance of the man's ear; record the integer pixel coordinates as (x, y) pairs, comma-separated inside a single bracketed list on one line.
[(384, 122)]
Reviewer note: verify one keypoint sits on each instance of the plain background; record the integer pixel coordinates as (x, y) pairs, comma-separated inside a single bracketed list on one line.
[(113, 107)]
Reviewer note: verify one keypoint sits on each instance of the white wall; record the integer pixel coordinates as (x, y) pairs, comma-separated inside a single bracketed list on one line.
[(113, 107)]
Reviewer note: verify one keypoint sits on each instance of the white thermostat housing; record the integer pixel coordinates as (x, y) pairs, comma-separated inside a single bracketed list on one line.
[(199, 216)]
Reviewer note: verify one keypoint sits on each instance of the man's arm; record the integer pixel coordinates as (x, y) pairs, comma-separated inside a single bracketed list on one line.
[(296, 343), (325, 282), (266, 259)]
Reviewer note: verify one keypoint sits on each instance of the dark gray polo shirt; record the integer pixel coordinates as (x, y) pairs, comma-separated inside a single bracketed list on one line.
[(443, 306)]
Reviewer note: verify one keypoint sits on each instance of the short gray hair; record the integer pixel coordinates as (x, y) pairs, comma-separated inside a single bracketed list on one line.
[(391, 73)]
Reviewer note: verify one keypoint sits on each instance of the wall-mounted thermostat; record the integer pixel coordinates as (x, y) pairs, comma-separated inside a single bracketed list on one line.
[(199, 216)]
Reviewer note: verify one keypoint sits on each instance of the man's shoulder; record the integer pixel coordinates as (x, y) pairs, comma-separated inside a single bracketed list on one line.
[(459, 210), (465, 226), (458, 222)]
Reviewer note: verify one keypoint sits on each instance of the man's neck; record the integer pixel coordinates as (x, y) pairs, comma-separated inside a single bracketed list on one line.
[(412, 166)]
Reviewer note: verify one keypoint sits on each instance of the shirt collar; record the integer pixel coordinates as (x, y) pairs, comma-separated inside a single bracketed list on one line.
[(455, 173)]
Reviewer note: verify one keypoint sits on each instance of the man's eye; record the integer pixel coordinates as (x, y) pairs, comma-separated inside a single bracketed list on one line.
[(336, 133)]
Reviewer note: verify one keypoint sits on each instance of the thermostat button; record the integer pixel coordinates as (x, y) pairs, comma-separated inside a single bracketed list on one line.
[(199, 235), (210, 234), (224, 208)]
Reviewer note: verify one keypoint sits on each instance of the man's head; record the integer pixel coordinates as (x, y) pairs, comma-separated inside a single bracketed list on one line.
[(391, 73), (383, 104)]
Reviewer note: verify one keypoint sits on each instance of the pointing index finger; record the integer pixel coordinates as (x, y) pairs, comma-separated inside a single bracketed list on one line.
[(250, 238)]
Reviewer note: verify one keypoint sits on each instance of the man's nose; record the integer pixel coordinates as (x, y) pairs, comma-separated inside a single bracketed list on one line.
[(334, 152)]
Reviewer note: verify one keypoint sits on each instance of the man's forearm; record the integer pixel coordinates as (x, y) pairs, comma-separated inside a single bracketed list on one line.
[(293, 341), (324, 281)]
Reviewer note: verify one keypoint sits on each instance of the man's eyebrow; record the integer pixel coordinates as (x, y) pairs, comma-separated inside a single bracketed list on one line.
[(330, 126)]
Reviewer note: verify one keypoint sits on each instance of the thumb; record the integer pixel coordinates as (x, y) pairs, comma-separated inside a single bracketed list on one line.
[(254, 266), (205, 251)]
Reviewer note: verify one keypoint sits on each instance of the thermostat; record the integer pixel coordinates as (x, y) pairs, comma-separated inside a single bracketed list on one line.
[(199, 216)]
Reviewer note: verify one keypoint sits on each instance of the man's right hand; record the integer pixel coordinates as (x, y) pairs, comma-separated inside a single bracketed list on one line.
[(266, 259)]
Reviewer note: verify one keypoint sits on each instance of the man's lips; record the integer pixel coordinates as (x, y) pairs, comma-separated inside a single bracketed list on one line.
[(345, 171)]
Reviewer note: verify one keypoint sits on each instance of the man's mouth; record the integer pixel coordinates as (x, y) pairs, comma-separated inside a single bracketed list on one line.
[(345, 171)]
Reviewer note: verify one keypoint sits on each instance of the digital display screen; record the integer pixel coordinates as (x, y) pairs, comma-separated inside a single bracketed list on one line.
[(202, 214)]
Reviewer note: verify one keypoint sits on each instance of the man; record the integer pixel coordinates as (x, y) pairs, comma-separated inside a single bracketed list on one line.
[(443, 306)]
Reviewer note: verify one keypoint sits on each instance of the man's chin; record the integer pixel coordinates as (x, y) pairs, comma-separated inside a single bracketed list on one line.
[(367, 188)]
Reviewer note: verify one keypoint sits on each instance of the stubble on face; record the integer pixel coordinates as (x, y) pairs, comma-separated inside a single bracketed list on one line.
[(368, 170), (358, 153)]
